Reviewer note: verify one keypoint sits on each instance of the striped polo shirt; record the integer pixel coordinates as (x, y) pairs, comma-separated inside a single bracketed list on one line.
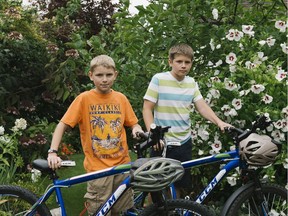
[(173, 101)]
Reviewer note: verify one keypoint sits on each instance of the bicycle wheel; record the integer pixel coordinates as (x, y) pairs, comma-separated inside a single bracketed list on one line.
[(177, 207), (16, 201), (275, 197)]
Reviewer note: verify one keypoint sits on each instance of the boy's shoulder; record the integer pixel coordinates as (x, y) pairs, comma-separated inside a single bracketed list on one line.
[(117, 93), (167, 76), (162, 75)]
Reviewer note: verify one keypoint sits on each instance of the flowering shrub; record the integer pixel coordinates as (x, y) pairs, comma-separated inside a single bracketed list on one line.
[(9, 152), (240, 65), (22, 144)]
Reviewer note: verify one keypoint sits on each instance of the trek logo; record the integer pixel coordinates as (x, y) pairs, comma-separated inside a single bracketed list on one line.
[(210, 187), (107, 206), (111, 201)]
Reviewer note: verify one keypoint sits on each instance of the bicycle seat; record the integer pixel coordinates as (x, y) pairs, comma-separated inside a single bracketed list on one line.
[(41, 165)]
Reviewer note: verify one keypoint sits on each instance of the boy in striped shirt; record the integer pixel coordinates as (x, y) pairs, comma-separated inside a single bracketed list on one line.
[(169, 97)]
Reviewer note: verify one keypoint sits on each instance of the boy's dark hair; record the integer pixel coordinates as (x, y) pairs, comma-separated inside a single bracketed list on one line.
[(181, 49)]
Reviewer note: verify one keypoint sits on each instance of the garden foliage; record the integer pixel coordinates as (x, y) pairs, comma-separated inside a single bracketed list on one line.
[(240, 63)]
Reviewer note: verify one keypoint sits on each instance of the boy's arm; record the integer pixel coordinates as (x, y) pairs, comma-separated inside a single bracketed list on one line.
[(147, 113), (54, 161), (209, 114)]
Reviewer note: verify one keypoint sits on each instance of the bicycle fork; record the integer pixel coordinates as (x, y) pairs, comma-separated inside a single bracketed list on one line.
[(258, 203)]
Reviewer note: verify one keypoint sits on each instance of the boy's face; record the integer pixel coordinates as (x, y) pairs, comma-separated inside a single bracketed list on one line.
[(181, 66), (103, 78)]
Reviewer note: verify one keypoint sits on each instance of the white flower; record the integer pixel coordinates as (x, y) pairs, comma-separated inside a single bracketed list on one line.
[(281, 25), (230, 85), (231, 180), (212, 45), (215, 79), (278, 124), (234, 34), (193, 134), (267, 115), (237, 103), (233, 112), (244, 92), (226, 109), (284, 47), (218, 46), (216, 72), (208, 99), (285, 111), (2, 130), (231, 58), (238, 35), (35, 175), (215, 14), (270, 128), (250, 65), (277, 135), (267, 99), (269, 67), (218, 63), (257, 88), (281, 74), (285, 163), (5, 139), (262, 42), (200, 152), (232, 68), (261, 56), (231, 35), (216, 146), (20, 124), (203, 133), (270, 41), (210, 64), (285, 125), (247, 29), (215, 93)]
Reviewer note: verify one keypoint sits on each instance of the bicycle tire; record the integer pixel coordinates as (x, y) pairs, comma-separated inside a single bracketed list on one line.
[(244, 204), (177, 207), (16, 201)]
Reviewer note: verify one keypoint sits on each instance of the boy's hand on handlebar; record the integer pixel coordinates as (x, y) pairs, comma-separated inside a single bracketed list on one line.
[(136, 130), (54, 162), (223, 126)]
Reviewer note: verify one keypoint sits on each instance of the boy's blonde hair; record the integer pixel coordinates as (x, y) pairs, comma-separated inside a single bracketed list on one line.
[(181, 49), (102, 60)]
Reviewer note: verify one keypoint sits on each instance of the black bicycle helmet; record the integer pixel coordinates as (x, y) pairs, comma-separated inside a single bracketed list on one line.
[(155, 174), (259, 150)]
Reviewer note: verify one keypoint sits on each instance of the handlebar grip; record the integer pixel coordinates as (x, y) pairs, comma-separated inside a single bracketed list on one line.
[(234, 129), (144, 135)]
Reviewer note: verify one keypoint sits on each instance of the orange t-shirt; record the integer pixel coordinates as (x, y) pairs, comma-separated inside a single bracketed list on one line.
[(101, 119)]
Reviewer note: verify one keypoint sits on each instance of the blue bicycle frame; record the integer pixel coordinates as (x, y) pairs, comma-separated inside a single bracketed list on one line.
[(58, 184), (234, 162)]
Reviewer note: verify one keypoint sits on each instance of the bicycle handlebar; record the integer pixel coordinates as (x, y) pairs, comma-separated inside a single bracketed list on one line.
[(157, 133)]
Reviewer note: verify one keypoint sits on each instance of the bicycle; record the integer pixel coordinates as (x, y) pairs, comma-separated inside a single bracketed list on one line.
[(148, 175), (255, 196)]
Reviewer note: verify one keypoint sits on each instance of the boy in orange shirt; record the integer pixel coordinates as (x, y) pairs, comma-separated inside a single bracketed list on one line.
[(102, 114)]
